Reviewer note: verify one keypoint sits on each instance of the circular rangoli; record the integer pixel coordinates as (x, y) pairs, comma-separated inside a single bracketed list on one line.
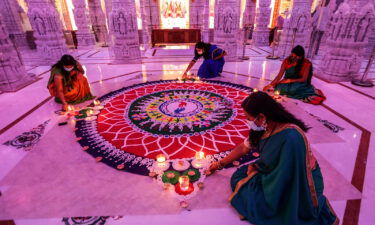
[(175, 118)]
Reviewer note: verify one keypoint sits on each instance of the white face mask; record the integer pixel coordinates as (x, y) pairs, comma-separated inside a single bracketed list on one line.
[(255, 127), (200, 52), (68, 69)]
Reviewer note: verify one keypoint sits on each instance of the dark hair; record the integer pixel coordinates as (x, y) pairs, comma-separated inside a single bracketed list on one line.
[(300, 51), (66, 60), (205, 47), (261, 102)]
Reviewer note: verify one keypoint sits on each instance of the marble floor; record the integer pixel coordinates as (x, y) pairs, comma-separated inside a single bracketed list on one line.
[(53, 180)]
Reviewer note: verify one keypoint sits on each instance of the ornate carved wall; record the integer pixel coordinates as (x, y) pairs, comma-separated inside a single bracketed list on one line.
[(227, 21), (124, 32), (85, 36), (12, 71), (347, 38), (262, 19)]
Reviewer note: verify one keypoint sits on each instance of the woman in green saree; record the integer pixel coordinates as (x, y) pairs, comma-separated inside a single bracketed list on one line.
[(284, 186), (296, 82)]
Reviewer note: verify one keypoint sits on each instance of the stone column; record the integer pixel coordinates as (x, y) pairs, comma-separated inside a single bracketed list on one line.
[(46, 24), (11, 10), (153, 12), (146, 29), (124, 32), (227, 27), (205, 31), (262, 19), (347, 39), (249, 13), (196, 14), (98, 20), (85, 36), (13, 75), (296, 29)]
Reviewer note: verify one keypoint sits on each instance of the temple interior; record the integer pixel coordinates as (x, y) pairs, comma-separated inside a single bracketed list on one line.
[(49, 172)]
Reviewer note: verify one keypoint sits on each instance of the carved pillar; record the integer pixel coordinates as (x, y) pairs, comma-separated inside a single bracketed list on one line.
[(146, 29), (196, 14), (152, 11), (227, 21), (46, 24), (262, 19), (206, 22), (347, 39), (85, 36), (98, 20), (11, 12), (124, 32), (296, 29), (13, 75), (249, 13)]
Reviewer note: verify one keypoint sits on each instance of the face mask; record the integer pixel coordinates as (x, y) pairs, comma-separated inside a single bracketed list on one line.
[(255, 127), (200, 52), (68, 69)]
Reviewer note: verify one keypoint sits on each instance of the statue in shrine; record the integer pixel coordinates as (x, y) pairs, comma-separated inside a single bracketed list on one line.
[(40, 25), (228, 22), (121, 24)]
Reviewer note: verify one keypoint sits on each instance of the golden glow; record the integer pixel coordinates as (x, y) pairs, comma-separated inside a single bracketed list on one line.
[(177, 47), (171, 71), (263, 70), (212, 14), (174, 14), (139, 15), (71, 15), (272, 10), (242, 10)]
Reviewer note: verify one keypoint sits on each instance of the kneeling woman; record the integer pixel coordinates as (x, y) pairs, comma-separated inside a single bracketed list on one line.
[(213, 63), (284, 186), (297, 79), (67, 83)]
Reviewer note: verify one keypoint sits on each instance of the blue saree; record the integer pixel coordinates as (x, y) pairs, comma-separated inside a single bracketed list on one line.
[(287, 186), (211, 68)]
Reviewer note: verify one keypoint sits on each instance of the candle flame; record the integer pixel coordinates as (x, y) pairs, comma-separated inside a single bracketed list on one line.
[(255, 90)]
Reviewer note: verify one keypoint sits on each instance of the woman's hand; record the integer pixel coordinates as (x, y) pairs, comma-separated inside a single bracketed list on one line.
[(250, 169), (185, 76), (268, 87), (285, 81), (65, 107), (213, 167)]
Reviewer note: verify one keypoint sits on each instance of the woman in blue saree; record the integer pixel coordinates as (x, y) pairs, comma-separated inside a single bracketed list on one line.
[(284, 186), (296, 82), (213, 62)]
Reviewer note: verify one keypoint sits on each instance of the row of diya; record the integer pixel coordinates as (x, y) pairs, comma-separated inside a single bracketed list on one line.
[(88, 113)]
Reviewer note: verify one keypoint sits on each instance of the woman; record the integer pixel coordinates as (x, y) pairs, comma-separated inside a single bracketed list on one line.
[(297, 79), (67, 83), (284, 186), (213, 63)]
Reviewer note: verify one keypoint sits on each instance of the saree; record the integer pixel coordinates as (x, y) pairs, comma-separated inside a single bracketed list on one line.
[(287, 186), (75, 92), (211, 68), (300, 90)]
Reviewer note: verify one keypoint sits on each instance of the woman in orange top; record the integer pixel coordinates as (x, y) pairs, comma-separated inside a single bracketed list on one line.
[(67, 82)]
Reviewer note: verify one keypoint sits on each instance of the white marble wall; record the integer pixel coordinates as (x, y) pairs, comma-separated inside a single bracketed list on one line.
[(47, 27), (296, 29), (13, 75), (146, 29), (347, 39), (124, 32), (227, 27), (85, 36), (262, 19)]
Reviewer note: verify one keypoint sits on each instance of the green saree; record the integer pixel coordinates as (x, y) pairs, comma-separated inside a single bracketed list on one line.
[(287, 187)]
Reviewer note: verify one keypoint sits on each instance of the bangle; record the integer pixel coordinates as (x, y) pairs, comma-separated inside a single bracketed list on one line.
[(221, 166)]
